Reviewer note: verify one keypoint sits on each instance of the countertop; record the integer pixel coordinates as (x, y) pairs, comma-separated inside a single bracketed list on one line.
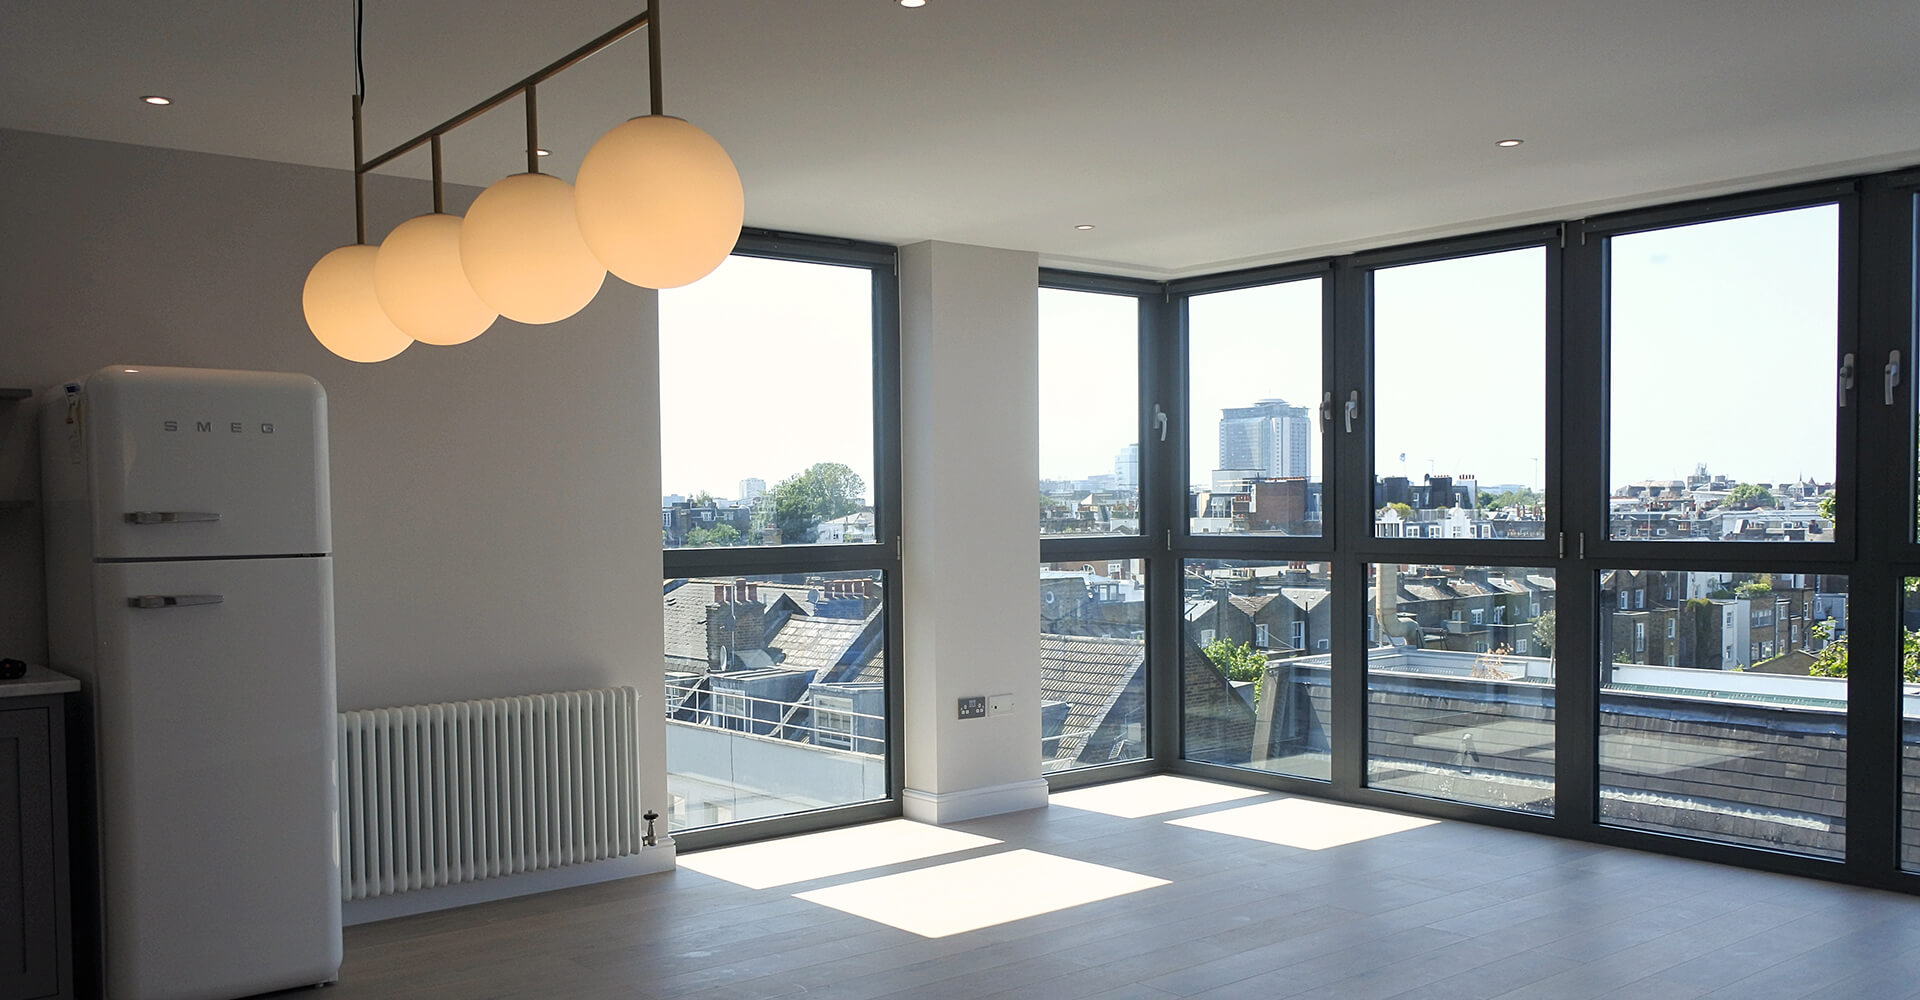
[(39, 680)]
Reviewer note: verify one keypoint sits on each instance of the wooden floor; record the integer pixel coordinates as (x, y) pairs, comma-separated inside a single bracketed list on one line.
[(1446, 910)]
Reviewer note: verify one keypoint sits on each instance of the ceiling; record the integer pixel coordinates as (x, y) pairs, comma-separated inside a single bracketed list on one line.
[(1195, 136)]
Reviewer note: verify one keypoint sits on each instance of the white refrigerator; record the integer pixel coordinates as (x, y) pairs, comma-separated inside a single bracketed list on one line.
[(190, 588)]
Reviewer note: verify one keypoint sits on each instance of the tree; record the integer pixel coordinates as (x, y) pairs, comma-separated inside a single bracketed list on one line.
[(700, 499), (1544, 628), (1747, 496), (1831, 661), (1510, 498), (1405, 512), (719, 534), (825, 491), (1239, 661)]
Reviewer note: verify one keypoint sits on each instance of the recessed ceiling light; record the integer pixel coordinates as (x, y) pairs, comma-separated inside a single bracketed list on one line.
[(157, 101), (1509, 143), (1083, 227), (542, 151), (913, 3)]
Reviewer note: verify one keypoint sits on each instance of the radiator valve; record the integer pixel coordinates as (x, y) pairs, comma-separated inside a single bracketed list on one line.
[(648, 840)]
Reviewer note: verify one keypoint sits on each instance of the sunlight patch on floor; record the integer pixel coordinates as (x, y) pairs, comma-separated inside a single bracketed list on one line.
[(979, 892), (1161, 793), (769, 863), (1303, 823)]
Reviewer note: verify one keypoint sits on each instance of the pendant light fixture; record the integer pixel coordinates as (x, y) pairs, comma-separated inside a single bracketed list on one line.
[(342, 310), (658, 202), (521, 246), (338, 299), (418, 279)]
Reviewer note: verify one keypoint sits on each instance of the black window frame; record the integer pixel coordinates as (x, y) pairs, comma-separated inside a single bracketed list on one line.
[(1874, 544), (1071, 548), (882, 555)]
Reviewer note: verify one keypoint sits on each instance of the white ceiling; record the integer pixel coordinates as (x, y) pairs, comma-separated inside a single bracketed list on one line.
[(1195, 134)]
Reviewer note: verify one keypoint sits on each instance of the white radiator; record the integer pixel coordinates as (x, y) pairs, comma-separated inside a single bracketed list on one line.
[(434, 795)]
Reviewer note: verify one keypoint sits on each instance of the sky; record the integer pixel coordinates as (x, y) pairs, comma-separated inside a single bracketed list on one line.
[(1723, 352), (1089, 381), (1725, 349), (767, 368), (1723, 339)]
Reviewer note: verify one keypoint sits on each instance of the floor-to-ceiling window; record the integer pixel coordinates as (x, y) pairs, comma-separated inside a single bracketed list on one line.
[(1093, 575), (779, 453), (1602, 528), (1894, 229), (1255, 629), (1722, 336)]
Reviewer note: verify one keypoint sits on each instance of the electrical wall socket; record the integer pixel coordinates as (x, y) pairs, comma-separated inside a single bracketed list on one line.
[(973, 708), (999, 704)]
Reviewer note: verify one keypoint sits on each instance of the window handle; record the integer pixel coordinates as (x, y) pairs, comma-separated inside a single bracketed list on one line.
[(1893, 374), (1160, 420), (1326, 407), (1353, 408), (1846, 378)]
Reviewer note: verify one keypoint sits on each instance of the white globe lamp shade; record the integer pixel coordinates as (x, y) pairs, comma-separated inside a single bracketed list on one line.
[(659, 202), (522, 251), (419, 281), (344, 313)]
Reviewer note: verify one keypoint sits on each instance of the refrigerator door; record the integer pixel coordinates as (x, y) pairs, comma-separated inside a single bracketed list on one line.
[(214, 695), (191, 462)]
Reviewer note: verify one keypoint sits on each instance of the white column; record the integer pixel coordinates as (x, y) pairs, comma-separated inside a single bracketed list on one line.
[(970, 454)]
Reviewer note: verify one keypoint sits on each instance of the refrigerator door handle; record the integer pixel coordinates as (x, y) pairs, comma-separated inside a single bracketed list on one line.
[(173, 600), (169, 516)]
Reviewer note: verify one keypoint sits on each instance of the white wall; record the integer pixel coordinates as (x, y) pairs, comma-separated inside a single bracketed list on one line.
[(970, 397), (492, 503)]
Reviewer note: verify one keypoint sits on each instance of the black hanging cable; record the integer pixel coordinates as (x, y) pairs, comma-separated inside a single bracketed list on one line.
[(359, 149)]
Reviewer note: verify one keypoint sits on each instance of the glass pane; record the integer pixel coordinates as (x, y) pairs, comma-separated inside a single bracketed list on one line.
[(1254, 388), (1255, 655), (1093, 662), (1723, 707), (1459, 397), (1460, 671), (776, 695), (1910, 728), (766, 406), (1089, 413), (1723, 340)]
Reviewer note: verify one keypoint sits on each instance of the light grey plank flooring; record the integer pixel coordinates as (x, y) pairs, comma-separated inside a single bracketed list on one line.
[(1450, 911)]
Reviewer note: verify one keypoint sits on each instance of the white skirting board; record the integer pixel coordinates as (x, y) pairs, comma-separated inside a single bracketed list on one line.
[(650, 860), (972, 803)]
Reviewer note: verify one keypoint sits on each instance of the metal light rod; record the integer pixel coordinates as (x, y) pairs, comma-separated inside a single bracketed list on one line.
[(619, 31)]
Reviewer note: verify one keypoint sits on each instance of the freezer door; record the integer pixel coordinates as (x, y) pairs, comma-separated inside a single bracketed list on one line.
[(214, 701), (193, 462)]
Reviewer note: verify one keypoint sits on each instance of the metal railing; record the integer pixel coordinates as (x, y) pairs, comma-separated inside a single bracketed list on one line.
[(776, 718)]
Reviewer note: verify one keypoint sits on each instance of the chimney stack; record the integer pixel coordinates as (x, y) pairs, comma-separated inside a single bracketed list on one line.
[(719, 594)]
